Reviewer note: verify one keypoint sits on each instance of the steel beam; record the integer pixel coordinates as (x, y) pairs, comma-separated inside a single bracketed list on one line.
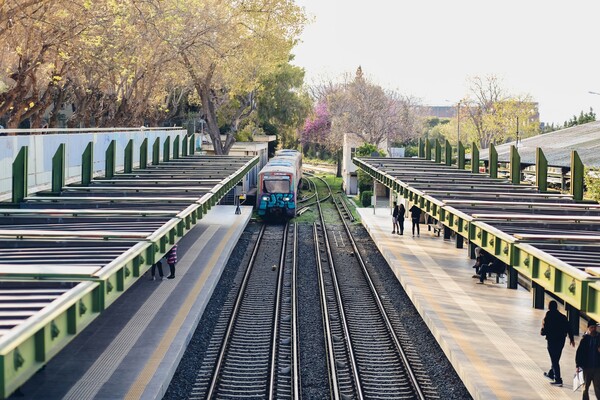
[(58, 169), (19, 175), (515, 166), (87, 164), (110, 164), (541, 170), (577, 173), (460, 162), (474, 158), (493, 162)]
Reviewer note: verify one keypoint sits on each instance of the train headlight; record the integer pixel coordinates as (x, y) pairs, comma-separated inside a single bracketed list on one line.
[(287, 198), (266, 198)]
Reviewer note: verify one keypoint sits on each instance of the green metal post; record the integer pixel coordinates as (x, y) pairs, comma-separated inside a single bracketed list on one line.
[(111, 161), (421, 148), (438, 152), (461, 156), (427, 149), (515, 166), (474, 158), (192, 144), (167, 149), (493, 161), (156, 152), (541, 171), (448, 151), (19, 175), (128, 161), (58, 169), (87, 164), (176, 147), (577, 172), (184, 145), (144, 154)]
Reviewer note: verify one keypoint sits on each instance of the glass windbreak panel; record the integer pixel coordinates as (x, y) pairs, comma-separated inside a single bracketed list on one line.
[(277, 186)]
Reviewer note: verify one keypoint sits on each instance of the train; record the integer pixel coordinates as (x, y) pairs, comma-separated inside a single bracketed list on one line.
[(278, 183)]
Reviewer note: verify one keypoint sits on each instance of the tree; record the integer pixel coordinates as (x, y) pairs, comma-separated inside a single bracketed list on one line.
[(374, 115), (316, 130), (495, 117), (227, 48), (282, 104)]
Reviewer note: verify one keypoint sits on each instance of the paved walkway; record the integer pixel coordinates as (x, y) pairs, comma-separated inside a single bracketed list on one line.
[(491, 334)]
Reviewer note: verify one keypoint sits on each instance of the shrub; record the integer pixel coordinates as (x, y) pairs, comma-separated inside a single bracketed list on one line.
[(365, 198)]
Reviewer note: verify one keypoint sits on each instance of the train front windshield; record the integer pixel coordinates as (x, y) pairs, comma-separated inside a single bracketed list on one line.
[(277, 186)]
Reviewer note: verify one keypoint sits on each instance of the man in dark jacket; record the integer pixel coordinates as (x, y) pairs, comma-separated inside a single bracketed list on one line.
[(415, 216), (556, 328), (588, 358)]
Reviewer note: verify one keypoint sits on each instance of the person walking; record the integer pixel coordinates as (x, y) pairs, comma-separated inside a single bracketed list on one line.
[(556, 328), (415, 216), (587, 358), (401, 212), (171, 257), (395, 227)]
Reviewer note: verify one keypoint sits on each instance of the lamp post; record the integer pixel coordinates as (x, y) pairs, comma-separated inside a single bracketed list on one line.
[(458, 124)]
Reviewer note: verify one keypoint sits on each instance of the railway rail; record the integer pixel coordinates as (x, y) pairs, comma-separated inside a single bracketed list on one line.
[(371, 362)]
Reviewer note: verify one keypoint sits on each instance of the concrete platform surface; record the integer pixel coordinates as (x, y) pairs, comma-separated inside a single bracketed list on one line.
[(491, 334), (132, 350)]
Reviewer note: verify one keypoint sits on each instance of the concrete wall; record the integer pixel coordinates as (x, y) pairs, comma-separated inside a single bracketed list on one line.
[(43, 147)]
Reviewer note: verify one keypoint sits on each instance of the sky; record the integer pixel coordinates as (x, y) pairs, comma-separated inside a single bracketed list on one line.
[(430, 48)]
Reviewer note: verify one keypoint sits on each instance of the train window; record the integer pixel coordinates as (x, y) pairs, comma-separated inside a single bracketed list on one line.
[(277, 186)]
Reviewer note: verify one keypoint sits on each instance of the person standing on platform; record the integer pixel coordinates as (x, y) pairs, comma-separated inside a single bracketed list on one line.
[(395, 227), (401, 212), (556, 328), (153, 271), (171, 257), (588, 359), (415, 216)]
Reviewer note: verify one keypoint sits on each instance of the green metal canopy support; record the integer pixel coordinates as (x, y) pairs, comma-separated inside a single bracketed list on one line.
[(438, 152), (577, 172), (427, 149), (460, 161), (185, 145), (448, 155), (110, 158), (128, 161), (493, 162), (19, 175), (192, 144), (421, 148), (156, 152), (541, 171), (515, 166), (87, 164), (58, 169), (167, 149), (474, 158), (176, 147), (144, 154)]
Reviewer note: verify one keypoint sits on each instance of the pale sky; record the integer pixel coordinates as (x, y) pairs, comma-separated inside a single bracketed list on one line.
[(428, 48)]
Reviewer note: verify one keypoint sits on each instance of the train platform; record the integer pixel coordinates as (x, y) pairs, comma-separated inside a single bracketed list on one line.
[(490, 334), (132, 350)]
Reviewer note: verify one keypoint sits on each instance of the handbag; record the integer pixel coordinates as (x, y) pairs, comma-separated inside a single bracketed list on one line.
[(578, 380)]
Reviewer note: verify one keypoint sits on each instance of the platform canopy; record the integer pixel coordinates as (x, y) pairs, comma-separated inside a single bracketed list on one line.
[(556, 146)]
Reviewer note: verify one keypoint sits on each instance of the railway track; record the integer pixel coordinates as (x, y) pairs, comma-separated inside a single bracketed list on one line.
[(257, 345), (371, 362), (255, 349)]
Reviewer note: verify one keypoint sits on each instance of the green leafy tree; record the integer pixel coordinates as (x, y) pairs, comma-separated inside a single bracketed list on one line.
[(282, 104)]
